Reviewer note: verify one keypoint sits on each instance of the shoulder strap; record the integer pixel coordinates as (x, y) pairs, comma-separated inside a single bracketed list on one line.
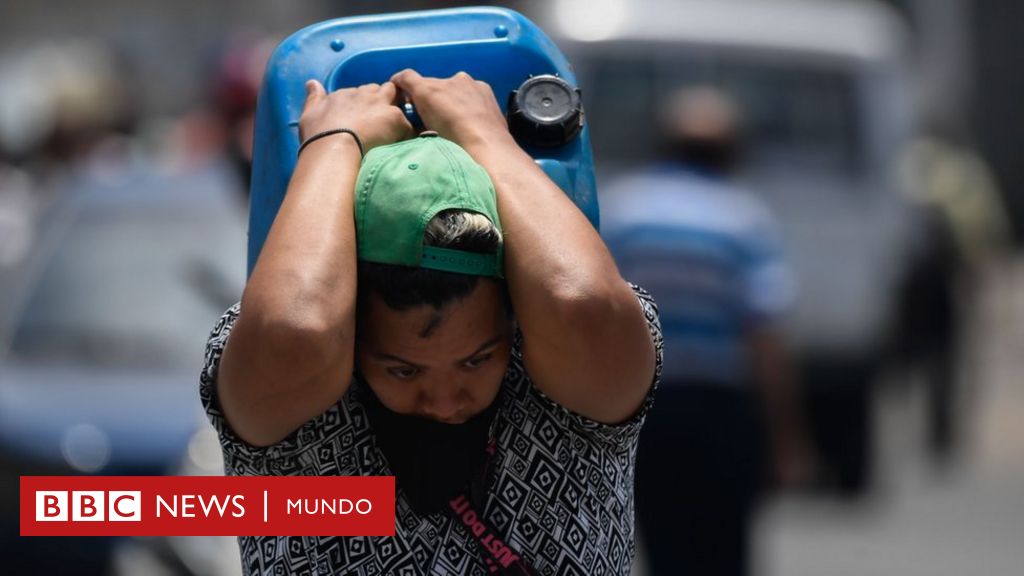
[(499, 556)]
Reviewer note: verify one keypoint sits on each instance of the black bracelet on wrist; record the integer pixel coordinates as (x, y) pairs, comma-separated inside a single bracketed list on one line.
[(320, 135)]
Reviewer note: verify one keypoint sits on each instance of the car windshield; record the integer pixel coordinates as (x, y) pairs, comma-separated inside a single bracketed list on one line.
[(132, 290), (796, 114)]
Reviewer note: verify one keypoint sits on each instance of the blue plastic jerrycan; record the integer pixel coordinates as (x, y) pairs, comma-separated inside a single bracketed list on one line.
[(532, 80)]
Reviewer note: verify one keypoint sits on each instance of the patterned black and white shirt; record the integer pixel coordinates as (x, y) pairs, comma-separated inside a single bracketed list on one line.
[(562, 494)]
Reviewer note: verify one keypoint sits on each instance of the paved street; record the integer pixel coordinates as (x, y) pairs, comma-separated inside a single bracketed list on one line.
[(968, 519)]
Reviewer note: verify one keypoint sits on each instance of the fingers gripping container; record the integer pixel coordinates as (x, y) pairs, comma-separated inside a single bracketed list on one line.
[(498, 46)]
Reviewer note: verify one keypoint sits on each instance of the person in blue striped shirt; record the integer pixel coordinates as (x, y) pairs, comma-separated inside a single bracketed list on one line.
[(710, 253)]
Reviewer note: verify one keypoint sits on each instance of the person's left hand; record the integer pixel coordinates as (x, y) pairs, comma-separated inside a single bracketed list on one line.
[(458, 108)]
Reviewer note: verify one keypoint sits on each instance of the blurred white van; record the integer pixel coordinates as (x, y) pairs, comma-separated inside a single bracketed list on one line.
[(824, 87)]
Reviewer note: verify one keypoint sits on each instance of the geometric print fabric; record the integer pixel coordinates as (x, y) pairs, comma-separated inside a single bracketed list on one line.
[(561, 494)]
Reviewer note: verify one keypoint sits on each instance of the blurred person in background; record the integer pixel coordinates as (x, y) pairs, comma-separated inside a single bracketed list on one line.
[(74, 111), (235, 85), (217, 133), (963, 232), (60, 104), (710, 253)]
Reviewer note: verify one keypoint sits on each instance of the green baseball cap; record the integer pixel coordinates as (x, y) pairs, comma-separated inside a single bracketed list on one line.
[(402, 186)]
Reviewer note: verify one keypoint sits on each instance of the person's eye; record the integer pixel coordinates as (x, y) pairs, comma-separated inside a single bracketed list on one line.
[(478, 361), (404, 372)]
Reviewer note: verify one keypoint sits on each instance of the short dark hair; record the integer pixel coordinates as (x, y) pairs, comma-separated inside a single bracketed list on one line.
[(403, 288)]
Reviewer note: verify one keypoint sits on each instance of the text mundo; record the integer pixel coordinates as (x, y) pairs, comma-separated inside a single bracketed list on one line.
[(336, 506)]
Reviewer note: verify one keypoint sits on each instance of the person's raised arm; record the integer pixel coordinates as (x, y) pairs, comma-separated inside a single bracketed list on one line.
[(290, 353), (586, 342)]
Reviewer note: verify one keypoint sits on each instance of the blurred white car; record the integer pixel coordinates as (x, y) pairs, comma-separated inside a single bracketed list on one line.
[(105, 322)]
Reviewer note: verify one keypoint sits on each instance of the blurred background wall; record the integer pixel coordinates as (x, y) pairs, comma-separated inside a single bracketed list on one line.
[(969, 53)]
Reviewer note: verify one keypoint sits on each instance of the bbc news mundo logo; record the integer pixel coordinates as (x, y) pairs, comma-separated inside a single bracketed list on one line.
[(207, 506)]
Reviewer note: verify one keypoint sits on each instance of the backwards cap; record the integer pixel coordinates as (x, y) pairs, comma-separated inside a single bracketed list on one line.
[(402, 186)]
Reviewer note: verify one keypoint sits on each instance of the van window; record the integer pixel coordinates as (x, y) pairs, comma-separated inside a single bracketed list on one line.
[(796, 114)]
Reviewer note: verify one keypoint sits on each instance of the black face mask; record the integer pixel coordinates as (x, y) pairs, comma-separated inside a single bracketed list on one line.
[(433, 462), (713, 155)]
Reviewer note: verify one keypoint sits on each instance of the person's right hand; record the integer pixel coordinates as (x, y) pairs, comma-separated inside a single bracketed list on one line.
[(368, 110)]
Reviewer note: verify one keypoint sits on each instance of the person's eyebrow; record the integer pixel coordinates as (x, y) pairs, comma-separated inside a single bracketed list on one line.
[(393, 358), (481, 348)]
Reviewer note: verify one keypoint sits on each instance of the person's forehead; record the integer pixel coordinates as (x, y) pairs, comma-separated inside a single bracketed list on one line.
[(458, 328)]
